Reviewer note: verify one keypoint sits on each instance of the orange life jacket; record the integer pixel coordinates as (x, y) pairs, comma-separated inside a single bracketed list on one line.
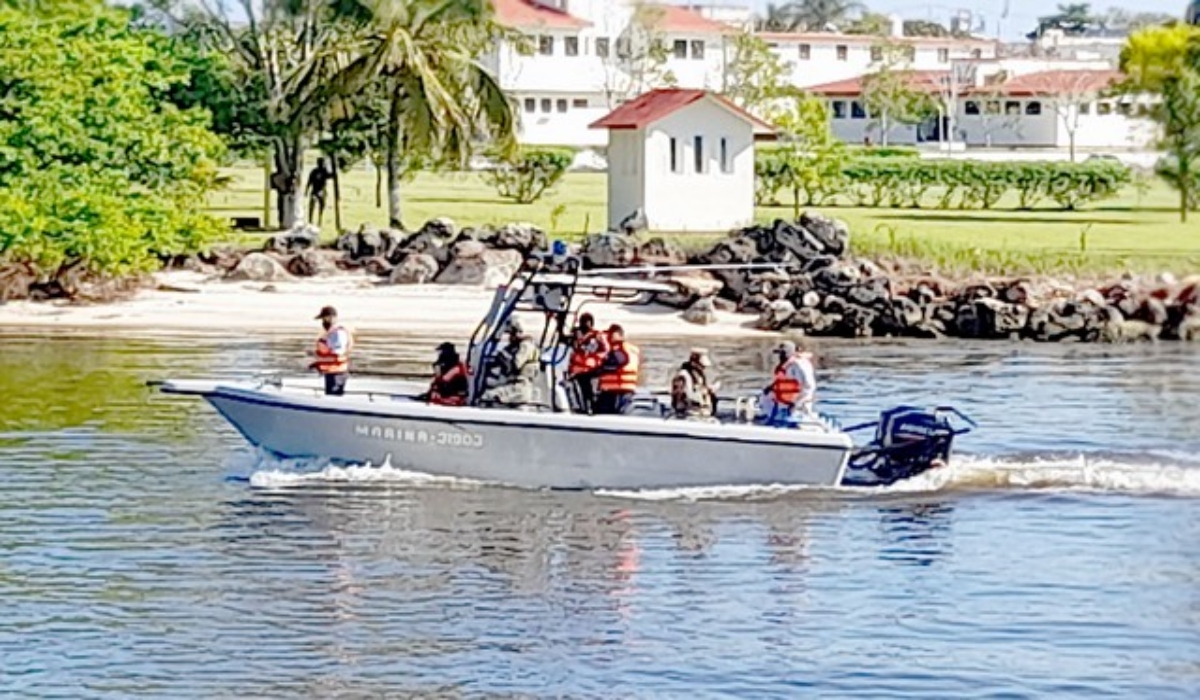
[(329, 362), (436, 398), (787, 389), (623, 379), (585, 359)]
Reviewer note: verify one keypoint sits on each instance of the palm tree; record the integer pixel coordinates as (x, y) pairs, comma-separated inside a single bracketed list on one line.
[(816, 15), (442, 101)]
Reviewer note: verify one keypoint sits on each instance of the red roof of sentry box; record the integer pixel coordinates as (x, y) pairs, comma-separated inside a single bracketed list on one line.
[(523, 13), (656, 105)]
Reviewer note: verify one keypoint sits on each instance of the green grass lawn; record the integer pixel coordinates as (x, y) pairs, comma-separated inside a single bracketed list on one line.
[(1140, 232)]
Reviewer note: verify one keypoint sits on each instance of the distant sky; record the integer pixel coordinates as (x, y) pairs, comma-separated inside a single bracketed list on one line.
[(1022, 14)]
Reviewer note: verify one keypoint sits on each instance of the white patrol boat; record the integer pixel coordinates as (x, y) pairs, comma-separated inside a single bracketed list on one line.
[(549, 444)]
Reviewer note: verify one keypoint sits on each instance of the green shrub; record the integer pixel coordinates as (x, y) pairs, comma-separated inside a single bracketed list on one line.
[(531, 173), (1168, 169), (902, 182)]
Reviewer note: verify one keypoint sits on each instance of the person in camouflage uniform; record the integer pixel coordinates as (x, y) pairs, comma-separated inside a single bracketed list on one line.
[(512, 370)]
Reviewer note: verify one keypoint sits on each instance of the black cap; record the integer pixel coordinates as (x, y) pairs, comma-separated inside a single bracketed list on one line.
[(326, 312), (446, 349)]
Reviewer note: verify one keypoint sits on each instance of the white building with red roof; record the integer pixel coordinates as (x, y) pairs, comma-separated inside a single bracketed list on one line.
[(587, 58), (1013, 104), (684, 158)]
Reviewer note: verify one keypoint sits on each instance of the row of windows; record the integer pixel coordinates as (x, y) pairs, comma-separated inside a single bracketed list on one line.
[(853, 109), (559, 105), (699, 161), (681, 49)]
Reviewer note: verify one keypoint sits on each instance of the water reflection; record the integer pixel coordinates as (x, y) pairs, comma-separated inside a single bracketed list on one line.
[(917, 533)]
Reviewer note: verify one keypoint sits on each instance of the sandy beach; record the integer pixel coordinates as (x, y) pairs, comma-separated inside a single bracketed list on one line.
[(191, 303)]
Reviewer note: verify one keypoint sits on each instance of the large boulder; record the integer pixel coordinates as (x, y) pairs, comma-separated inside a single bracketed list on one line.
[(833, 234), (365, 243), (524, 237), (608, 250), (425, 242), (258, 267), (703, 312), (313, 263), (689, 288), (489, 268), (776, 315), (417, 268), (302, 237), (441, 228), (660, 251)]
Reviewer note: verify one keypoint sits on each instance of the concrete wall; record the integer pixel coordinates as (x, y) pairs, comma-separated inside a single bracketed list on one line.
[(626, 173), (709, 200)]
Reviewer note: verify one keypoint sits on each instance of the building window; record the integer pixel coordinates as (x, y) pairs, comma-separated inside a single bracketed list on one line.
[(971, 108), (579, 103), (530, 104), (839, 109), (545, 104), (675, 164), (560, 104), (1125, 109), (602, 46), (943, 55), (857, 111), (1012, 107), (698, 153), (1085, 108), (697, 49), (571, 45), (976, 54), (876, 53), (992, 107), (723, 156), (1033, 108), (909, 51), (842, 52), (805, 52), (546, 45), (680, 49), (1103, 108), (1143, 110), (624, 47)]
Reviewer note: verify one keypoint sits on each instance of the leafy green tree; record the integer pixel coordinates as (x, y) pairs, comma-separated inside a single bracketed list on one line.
[(816, 15), (639, 62), (888, 92), (812, 159), (281, 57), (923, 27), (755, 77), (101, 174), (870, 24), (525, 177), (442, 101), (1166, 61)]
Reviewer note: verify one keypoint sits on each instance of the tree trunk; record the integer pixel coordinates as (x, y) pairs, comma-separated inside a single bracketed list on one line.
[(337, 194), (883, 127), (1071, 145), (378, 181), (393, 166), (1185, 187), (289, 164)]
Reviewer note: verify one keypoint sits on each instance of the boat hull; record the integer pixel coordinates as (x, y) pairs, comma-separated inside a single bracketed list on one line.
[(528, 449)]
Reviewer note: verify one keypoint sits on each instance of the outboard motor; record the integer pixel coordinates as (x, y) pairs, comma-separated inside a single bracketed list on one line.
[(908, 441)]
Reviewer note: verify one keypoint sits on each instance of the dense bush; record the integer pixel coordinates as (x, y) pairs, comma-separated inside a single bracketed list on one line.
[(899, 182), (1168, 169), (530, 173), (100, 173)]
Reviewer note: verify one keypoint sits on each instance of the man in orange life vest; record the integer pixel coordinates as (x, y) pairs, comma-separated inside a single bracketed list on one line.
[(619, 373), (450, 380), (793, 388), (333, 353), (588, 350)]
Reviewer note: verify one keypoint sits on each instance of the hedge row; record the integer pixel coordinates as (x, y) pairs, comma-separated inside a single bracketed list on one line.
[(941, 184)]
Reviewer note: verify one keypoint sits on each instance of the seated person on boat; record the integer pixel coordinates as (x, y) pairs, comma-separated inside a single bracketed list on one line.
[(790, 394), (619, 373), (450, 379), (512, 370), (589, 346), (692, 397)]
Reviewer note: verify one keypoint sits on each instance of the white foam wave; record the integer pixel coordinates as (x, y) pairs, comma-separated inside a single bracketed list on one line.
[(292, 475), (1080, 473), (964, 473)]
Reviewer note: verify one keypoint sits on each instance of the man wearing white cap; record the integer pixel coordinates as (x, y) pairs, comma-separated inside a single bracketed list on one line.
[(791, 392), (692, 397)]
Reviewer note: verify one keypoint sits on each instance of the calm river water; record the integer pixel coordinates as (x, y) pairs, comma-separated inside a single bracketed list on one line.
[(146, 552)]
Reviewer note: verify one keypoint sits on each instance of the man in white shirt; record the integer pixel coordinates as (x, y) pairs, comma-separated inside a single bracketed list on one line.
[(333, 353), (793, 389)]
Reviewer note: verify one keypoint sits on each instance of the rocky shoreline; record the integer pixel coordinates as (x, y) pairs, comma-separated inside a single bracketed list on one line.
[(814, 286)]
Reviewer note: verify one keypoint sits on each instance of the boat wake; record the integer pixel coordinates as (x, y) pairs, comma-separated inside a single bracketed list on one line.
[(1164, 473)]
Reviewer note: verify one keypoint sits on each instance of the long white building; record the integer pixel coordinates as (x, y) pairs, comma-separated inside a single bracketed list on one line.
[(582, 58)]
